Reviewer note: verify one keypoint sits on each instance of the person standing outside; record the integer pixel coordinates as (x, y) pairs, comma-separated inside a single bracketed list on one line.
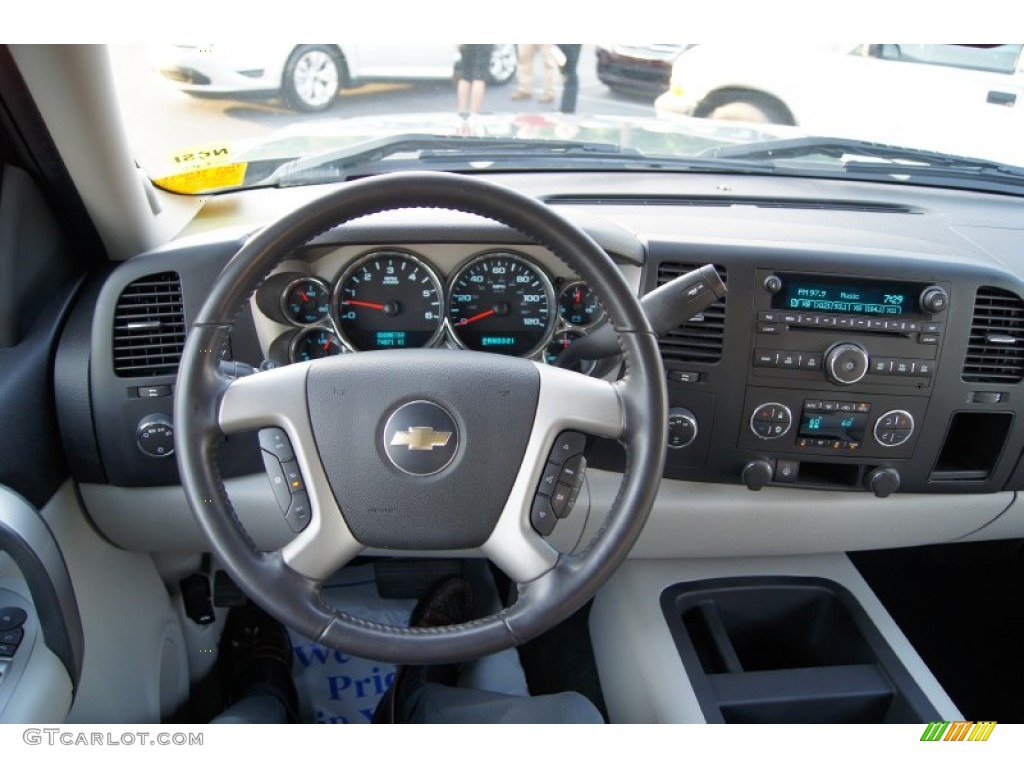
[(473, 69), (527, 52), (571, 87)]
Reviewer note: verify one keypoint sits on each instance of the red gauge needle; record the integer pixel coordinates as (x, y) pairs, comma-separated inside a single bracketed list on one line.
[(303, 295), (474, 318), (327, 345), (369, 304), (579, 296)]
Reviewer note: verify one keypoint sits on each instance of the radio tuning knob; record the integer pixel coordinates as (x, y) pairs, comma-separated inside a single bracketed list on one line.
[(846, 363)]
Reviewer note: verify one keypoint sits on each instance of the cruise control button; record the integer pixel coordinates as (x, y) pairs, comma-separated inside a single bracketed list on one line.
[(566, 445), (293, 476), (278, 481), (274, 440), (12, 618), (542, 517), (299, 512)]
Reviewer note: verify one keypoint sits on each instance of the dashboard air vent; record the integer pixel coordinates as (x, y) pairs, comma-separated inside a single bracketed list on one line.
[(149, 327), (700, 339), (995, 352)]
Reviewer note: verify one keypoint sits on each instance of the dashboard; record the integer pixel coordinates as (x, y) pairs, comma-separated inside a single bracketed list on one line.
[(871, 341)]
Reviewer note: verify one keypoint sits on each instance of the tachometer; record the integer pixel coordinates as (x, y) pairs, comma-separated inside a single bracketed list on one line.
[(501, 302), (388, 300)]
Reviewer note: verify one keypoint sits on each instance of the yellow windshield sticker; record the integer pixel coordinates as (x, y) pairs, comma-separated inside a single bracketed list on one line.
[(201, 169)]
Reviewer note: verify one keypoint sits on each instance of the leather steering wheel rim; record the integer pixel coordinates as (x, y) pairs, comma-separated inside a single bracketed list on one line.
[(295, 598)]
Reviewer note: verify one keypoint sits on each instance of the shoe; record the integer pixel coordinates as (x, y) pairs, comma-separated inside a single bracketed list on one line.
[(256, 657), (450, 602), (521, 95), (546, 98)]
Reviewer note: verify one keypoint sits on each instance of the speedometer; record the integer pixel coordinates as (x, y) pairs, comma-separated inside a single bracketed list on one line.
[(388, 300), (501, 302)]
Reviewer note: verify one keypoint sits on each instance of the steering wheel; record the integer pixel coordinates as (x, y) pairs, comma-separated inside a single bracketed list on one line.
[(342, 413)]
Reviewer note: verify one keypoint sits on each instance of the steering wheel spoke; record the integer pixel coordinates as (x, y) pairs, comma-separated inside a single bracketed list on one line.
[(568, 402), (277, 398)]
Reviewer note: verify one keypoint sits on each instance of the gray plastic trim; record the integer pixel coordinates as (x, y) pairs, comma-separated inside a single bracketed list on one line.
[(27, 539), (641, 673), (277, 398), (35, 686)]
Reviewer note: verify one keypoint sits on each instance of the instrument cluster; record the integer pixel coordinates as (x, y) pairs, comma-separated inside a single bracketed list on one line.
[(499, 301)]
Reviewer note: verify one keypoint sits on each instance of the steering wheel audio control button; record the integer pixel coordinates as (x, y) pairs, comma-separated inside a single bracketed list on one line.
[(549, 479), (12, 618), (572, 471), (567, 445), (542, 517)]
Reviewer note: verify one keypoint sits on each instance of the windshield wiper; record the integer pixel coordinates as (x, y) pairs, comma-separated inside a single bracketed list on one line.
[(412, 150), (869, 157)]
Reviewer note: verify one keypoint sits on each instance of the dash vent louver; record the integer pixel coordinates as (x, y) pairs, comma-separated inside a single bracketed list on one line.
[(149, 327), (699, 340), (995, 352)]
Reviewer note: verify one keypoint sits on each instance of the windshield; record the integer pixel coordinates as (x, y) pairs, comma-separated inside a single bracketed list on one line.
[(208, 118)]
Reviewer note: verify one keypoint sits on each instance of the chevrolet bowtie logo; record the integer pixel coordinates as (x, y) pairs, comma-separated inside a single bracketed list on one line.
[(421, 438)]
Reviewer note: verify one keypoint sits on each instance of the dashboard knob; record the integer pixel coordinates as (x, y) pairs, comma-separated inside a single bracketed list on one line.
[(934, 300), (846, 363), (757, 474), (773, 284), (882, 481), (682, 427), (155, 435)]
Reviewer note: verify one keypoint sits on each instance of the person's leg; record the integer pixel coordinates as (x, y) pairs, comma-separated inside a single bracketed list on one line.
[(476, 95), (433, 703), (570, 89), (463, 89), (524, 70), (550, 64), (255, 707)]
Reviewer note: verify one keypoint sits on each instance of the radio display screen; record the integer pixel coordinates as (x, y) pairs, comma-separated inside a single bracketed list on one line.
[(854, 297)]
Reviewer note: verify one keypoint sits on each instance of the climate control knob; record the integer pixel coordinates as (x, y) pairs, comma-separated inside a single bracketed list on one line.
[(846, 363)]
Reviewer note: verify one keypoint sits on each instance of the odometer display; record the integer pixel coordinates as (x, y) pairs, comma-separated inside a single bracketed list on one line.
[(388, 300), (500, 302)]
